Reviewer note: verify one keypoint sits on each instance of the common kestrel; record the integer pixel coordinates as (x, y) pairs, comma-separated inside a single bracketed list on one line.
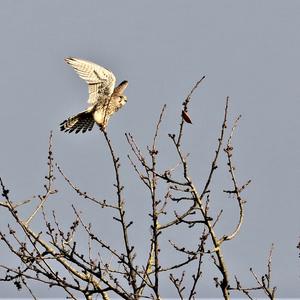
[(104, 98)]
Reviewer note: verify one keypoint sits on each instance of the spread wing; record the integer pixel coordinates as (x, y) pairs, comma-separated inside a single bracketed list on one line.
[(101, 82)]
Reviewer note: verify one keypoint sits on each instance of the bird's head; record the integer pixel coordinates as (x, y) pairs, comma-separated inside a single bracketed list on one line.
[(118, 93), (122, 100)]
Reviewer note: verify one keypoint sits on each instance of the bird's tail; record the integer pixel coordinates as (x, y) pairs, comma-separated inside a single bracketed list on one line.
[(81, 122)]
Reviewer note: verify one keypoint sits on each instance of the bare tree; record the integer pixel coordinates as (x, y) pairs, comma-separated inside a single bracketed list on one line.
[(51, 255)]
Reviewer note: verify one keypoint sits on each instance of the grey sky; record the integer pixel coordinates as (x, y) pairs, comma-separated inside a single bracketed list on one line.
[(249, 50)]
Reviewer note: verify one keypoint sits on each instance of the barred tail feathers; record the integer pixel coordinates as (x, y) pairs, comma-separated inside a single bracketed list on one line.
[(81, 122)]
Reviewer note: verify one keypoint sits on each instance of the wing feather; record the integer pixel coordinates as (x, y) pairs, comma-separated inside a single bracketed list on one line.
[(101, 82)]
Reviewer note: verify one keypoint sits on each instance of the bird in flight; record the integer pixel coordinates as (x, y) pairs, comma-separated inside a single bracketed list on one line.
[(104, 98)]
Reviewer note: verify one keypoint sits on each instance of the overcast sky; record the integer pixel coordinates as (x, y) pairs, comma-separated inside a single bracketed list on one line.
[(248, 50)]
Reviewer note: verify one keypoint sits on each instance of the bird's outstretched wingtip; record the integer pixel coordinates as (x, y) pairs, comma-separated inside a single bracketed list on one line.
[(121, 87), (68, 59)]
